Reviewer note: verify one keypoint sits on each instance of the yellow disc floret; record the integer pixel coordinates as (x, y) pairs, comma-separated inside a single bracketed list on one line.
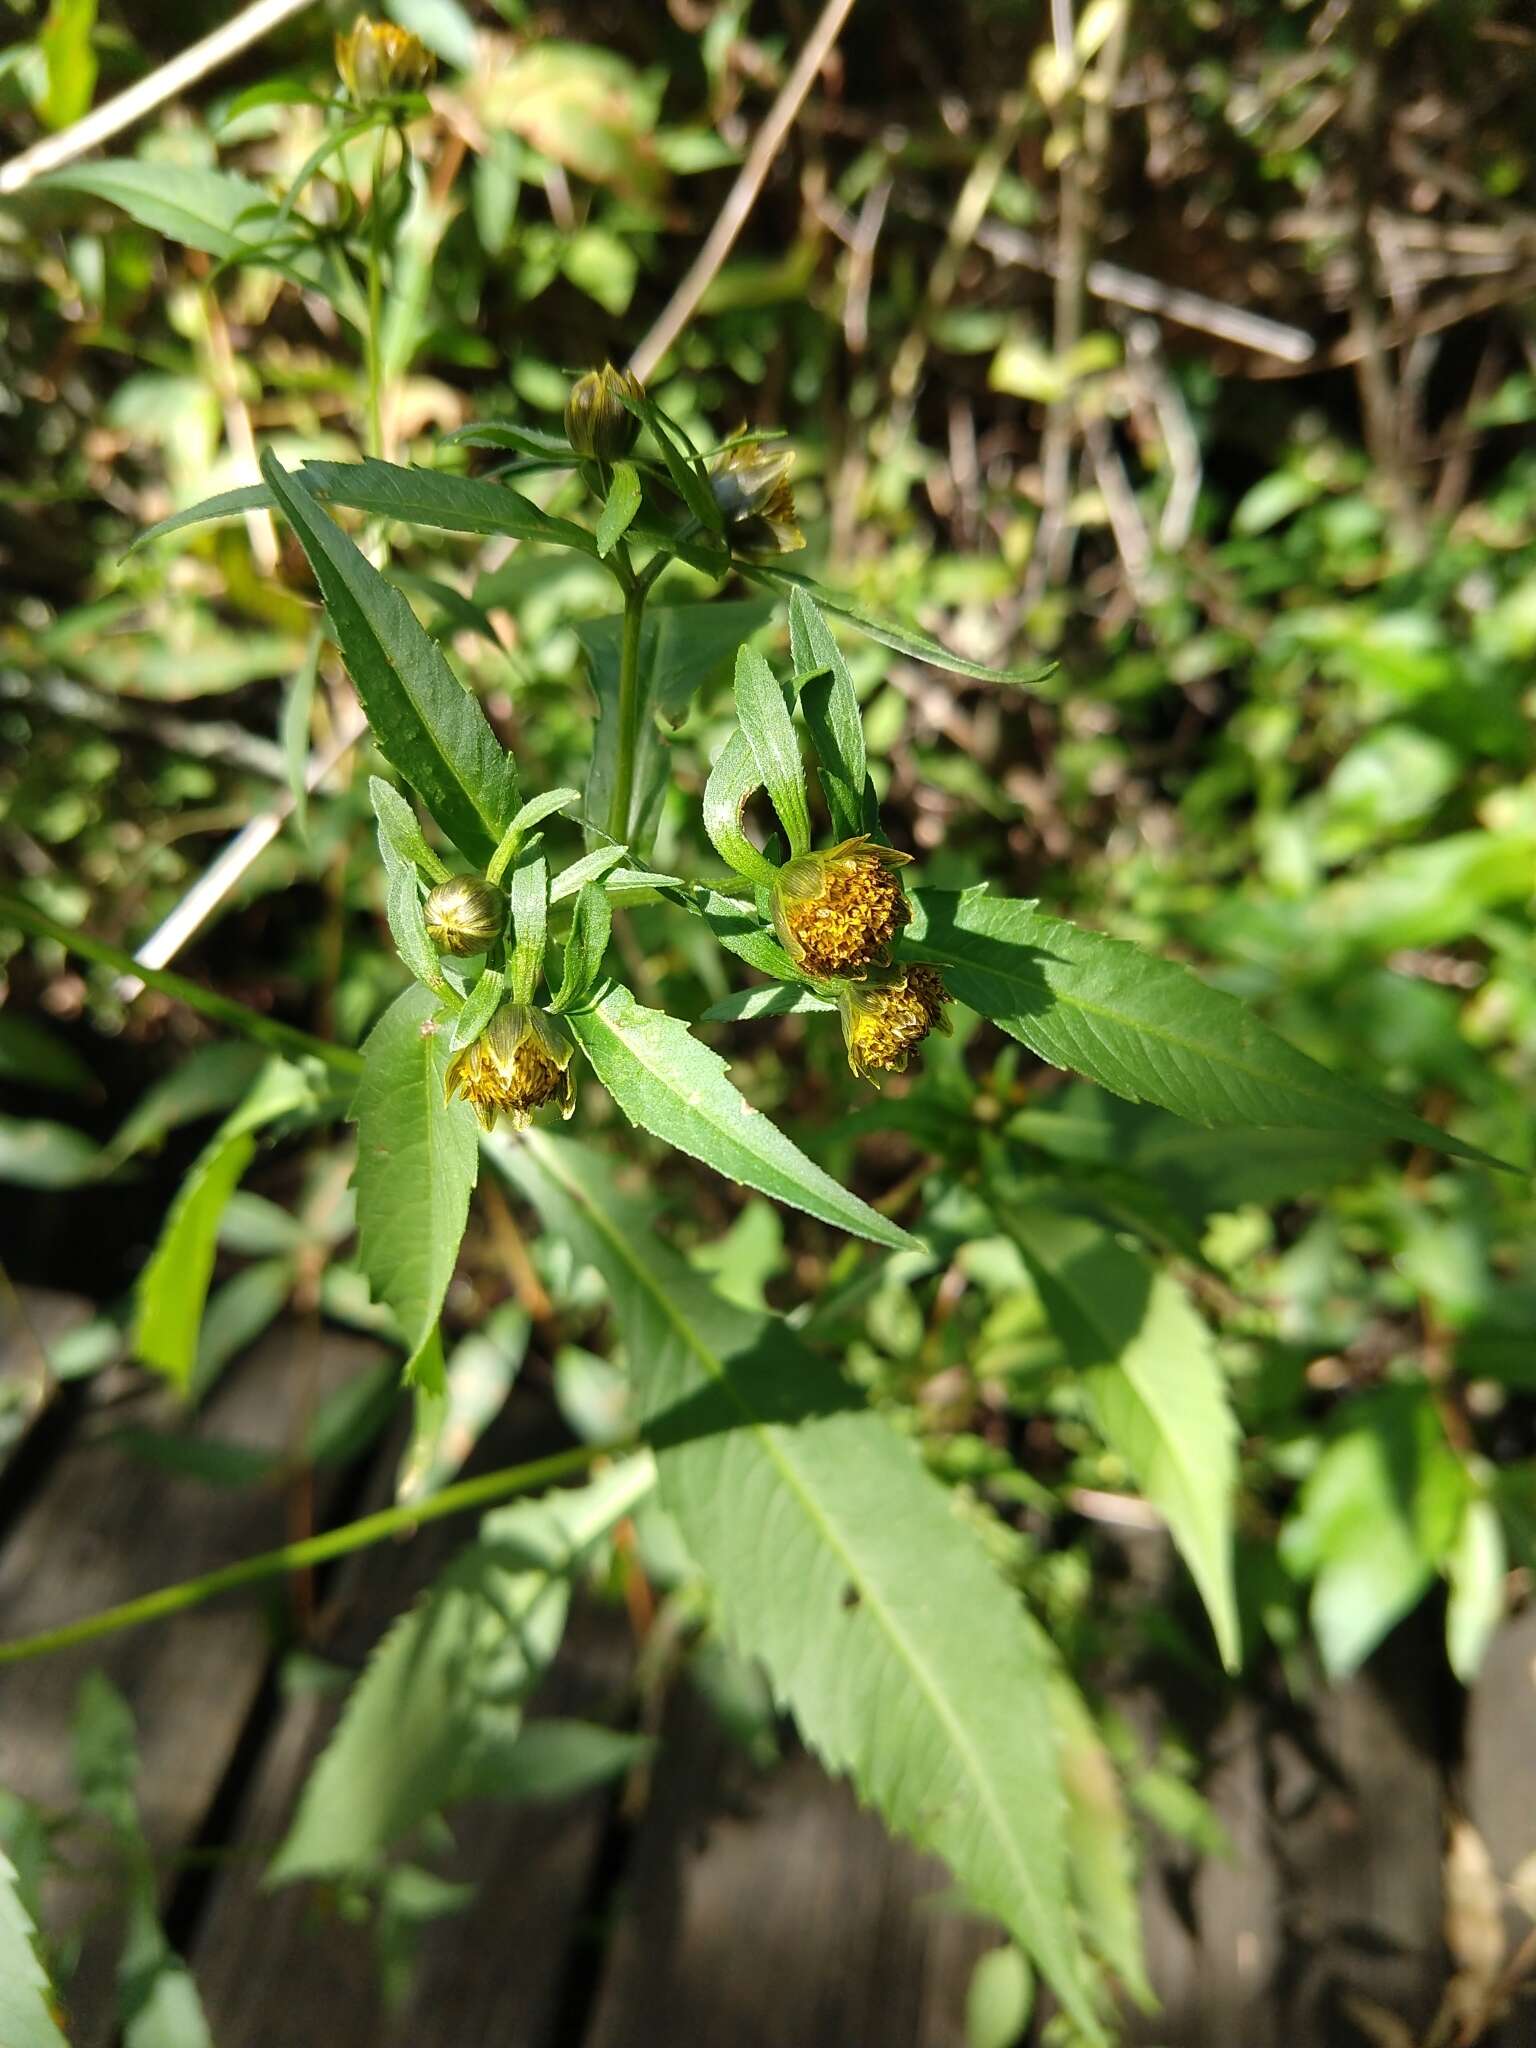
[(885, 1019), (464, 915), (520, 1061), (836, 913)]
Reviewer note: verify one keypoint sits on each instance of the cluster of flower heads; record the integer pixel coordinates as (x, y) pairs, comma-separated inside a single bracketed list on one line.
[(837, 914)]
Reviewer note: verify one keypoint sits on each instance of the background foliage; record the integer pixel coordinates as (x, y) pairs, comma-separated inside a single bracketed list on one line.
[(1276, 532)]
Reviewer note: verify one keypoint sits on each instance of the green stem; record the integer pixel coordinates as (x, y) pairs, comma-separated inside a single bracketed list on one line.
[(281, 1037), (629, 712), (376, 301), (453, 1500)]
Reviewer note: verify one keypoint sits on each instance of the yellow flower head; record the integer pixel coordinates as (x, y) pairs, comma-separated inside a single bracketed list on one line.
[(836, 913), (750, 483), (520, 1061), (597, 422), (884, 1020), (464, 915), (377, 60)]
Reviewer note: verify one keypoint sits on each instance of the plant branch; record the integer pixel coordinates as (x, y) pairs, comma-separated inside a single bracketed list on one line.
[(114, 115), (741, 199), (628, 713), (313, 1550)]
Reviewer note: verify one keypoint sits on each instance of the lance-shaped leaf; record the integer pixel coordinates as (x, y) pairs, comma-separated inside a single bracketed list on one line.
[(837, 1560), (174, 1285), (441, 1698), (830, 708), (775, 745), (26, 2016), (422, 716), (431, 497), (1154, 1384), (1145, 1028), (669, 1084), (903, 639), (619, 508), (733, 780), (416, 1166)]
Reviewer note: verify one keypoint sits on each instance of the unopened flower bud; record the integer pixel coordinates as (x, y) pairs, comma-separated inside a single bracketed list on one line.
[(597, 421), (376, 60), (751, 486), (885, 1020), (464, 915), (836, 913), (520, 1061)]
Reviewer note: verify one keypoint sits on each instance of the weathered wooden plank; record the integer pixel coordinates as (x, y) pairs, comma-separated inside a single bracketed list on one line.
[(285, 1970), (1499, 1785), (32, 1319), (762, 1911), (1359, 1790), (106, 1526), (1212, 1928)]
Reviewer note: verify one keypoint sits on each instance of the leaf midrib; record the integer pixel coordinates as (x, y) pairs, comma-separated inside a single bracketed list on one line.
[(715, 1367), (1123, 1021), (706, 1110)]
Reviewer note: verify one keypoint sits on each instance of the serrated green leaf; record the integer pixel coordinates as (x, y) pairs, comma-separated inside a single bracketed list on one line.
[(535, 441), (434, 497), (587, 942), (782, 999), (174, 1285), (26, 2017), (770, 733), (1147, 1029), (416, 1166), (401, 839), (444, 1689), (528, 895), (830, 708), (215, 211), (619, 508), (732, 782), (408, 929), (1375, 1520), (423, 718), (907, 640), (1154, 1385), (837, 1560), (669, 1084), (222, 505)]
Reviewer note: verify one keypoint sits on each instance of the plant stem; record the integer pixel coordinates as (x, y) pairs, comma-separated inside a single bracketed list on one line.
[(284, 1038), (375, 300), (629, 712), (453, 1500)]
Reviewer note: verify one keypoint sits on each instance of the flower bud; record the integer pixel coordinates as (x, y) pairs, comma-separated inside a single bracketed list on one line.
[(520, 1061), (884, 1020), (836, 913), (464, 915), (751, 486), (597, 422), (376, 60)]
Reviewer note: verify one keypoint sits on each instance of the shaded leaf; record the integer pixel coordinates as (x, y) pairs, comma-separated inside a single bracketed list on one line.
[(837, 1559)]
